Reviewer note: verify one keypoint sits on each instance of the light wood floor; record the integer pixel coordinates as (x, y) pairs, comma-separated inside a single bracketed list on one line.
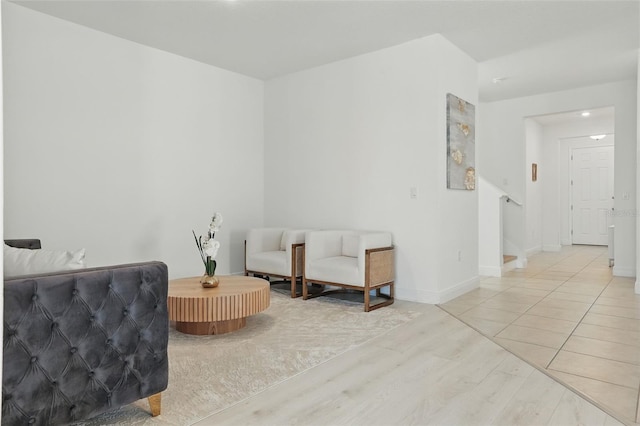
[(568, 315), (433, 370)]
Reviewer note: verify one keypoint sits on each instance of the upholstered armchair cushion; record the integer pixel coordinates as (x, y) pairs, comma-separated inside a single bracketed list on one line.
[(351, 260), (339, 256), (269, 250), (275, 252), (270, 262), (336, 269), (264, 239)]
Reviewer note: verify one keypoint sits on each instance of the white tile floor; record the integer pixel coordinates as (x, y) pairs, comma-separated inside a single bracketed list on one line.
[(566, 314)]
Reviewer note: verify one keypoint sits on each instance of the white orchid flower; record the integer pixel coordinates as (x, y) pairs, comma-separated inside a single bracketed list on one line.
[(210, 248), (207, 246), (216, 222)]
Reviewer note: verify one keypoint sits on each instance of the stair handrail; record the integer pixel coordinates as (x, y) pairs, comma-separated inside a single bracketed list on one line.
[(508, 199)]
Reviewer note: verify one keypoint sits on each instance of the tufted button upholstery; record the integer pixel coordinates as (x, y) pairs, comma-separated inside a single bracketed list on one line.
[(77, 344)]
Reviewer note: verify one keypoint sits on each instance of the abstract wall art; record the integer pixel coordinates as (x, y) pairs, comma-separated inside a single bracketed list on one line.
[(461, 144)]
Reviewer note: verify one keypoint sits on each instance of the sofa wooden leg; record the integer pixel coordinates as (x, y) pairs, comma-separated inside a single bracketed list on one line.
[(155, 402)]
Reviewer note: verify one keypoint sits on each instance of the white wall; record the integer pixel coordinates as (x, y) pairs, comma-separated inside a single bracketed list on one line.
[(502, 135), (345, 142), (637, 287), (1, 177), (533, 199), (124, 149), (491, 202)]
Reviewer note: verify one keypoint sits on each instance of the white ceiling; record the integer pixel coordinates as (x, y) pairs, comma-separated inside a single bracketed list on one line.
[(599, 115), (539, 46)]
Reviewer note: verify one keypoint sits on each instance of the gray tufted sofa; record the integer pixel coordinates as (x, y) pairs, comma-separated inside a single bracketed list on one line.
[(80, 343)]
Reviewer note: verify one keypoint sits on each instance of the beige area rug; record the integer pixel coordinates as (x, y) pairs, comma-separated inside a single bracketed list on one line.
[(210, 373)]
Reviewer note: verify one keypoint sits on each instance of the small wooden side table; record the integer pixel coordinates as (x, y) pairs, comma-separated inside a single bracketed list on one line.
[(198, 310)]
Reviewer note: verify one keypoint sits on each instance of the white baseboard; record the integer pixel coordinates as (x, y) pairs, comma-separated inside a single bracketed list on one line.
[(637, 287), (521, 263), (533, 250), (620, 271), (459, 289), (415, 295), (552, 247), (490, 271), (565, 242), (433, 297)]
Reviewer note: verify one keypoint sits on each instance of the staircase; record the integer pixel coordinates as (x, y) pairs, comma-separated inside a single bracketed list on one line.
[(508, 263)]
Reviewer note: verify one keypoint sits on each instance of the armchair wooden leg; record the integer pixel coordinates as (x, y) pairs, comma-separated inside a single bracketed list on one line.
[(294, 261), (155, 404), (305, 290), (367, 299)]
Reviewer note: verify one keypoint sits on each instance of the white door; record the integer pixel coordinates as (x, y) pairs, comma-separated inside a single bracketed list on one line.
[(592, 194)]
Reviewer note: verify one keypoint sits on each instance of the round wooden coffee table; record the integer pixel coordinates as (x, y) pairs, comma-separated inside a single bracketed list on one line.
[(198, 310)]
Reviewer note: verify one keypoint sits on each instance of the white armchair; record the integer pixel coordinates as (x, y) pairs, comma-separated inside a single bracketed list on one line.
[(356, 260), (275, 252)]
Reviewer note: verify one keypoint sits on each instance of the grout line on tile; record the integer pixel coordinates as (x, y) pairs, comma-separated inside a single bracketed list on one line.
[(590, 276), (606, 341), (574, 328), (591, 378)]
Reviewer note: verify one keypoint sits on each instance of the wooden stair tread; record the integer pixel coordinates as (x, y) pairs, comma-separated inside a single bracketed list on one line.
[(508, 258)]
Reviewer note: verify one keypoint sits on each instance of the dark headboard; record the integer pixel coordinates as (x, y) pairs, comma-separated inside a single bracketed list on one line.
[(25, 243)]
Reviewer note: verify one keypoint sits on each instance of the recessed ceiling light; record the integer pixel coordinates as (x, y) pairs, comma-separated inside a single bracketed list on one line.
[(585, 114), (598, 137)]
